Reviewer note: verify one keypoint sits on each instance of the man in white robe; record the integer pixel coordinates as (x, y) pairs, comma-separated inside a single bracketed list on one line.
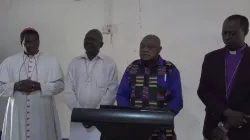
[(91, 81), (30, 80)]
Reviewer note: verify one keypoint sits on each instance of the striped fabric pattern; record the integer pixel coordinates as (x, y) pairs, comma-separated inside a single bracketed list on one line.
[(153, 80), (168, 132), (139, 81), (160, 97), (162, 71), (145, 93), (133, 92), (133, 69)]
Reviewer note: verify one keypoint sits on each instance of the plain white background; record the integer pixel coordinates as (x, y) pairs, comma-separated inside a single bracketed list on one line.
[(188, 30)]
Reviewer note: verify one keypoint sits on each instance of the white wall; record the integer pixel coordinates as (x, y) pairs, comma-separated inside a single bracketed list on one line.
[(188, 29), (3, 25)]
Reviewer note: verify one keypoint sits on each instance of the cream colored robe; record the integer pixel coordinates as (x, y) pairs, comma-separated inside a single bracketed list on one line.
[(34, 116), (90, 84)]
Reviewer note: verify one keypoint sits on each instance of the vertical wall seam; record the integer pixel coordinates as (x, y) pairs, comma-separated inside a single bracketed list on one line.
[(140, 18)]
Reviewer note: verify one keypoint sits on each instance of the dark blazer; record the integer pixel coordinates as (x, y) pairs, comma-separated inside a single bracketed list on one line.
[(212, 92)]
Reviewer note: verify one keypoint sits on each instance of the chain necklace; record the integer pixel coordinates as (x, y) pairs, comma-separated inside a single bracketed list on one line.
[(26, 71), (233, 76), (89, 74)]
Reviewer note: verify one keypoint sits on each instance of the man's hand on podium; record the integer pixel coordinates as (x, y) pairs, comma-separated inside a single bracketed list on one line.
[(87, 125)]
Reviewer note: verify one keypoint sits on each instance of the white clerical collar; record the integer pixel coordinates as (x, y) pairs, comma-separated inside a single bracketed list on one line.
[(235, 52), (232, 52)]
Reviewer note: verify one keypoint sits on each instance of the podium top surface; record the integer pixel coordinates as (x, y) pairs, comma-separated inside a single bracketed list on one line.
[(123, 115)]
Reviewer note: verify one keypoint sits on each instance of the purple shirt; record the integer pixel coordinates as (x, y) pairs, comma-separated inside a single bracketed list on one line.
[(233, 59)]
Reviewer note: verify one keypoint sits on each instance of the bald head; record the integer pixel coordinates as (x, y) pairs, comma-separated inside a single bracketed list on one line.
[(93, 42), (95, 33), (153, 39), (150, 47)]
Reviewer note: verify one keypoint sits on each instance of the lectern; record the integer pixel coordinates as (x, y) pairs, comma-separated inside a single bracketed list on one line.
[(124, 123)]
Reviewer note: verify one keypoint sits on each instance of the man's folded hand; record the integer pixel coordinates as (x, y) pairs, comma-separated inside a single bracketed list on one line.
[(236, 118)]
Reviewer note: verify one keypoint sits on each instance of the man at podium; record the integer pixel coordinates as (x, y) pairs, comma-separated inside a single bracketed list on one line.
[(152, 82)]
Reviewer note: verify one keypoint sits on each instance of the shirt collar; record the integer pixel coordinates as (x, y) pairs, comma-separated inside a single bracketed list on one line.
[(99, 56), (160, 61), (30, 56), (238, 51)]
